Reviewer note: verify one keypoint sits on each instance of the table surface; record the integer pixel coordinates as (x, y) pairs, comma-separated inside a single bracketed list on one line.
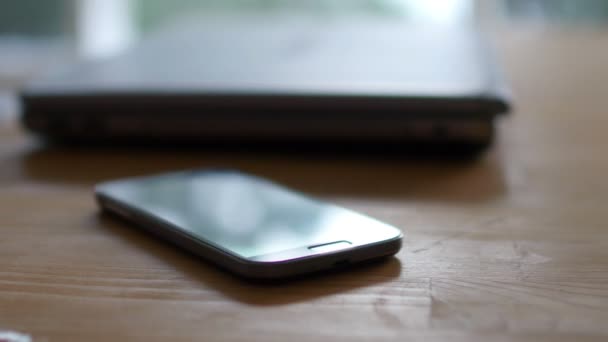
[(511, 246)]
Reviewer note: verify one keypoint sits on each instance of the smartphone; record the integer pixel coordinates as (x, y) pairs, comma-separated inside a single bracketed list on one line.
[(247, 224)]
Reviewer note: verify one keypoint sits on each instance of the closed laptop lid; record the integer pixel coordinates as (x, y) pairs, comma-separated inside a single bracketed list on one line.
[(292, 57)]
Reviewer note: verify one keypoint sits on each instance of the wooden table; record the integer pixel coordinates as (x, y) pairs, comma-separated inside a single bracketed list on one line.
[(513, 246)]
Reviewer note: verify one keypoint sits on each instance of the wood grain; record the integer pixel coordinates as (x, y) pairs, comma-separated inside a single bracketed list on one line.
[(510, 247)]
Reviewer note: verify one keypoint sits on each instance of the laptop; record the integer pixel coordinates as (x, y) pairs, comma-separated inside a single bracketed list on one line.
[(317, 81)]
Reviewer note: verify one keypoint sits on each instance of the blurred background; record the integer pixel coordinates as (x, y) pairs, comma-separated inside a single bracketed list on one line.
[(36, 36)]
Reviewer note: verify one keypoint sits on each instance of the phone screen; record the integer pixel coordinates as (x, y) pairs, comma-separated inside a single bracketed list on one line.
[(245, 215)]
